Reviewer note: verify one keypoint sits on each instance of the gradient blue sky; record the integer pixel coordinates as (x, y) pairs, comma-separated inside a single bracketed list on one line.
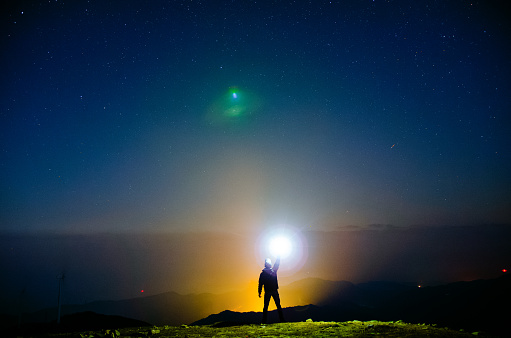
[(181, 116)]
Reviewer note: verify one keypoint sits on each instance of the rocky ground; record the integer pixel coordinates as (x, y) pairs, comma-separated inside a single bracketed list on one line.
[(300, 329)]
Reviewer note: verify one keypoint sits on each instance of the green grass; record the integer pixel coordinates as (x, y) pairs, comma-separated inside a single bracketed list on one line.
[(300, 329)]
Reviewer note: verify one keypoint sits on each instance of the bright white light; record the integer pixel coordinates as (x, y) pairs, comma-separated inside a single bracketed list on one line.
[(286, 241), (280, 246)]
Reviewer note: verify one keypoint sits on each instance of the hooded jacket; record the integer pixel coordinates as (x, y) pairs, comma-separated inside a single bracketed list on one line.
[(268, 278)]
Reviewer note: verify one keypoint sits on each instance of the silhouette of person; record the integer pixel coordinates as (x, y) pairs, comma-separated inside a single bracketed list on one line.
[(268, 280)]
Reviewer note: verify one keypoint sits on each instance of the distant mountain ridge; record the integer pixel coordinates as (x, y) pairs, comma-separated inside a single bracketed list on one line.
[(458, 304), (323, 292), (171, 308)]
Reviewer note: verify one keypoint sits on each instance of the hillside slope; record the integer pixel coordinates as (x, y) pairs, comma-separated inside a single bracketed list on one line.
[(302, 329)]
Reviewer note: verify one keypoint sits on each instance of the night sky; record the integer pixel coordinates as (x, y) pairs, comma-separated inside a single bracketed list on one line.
[(163, 138)]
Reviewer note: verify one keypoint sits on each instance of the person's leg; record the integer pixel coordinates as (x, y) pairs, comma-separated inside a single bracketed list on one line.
[(276, 298), (267, 297)]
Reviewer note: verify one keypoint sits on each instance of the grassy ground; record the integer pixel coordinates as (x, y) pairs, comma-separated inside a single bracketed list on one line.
[(301, 329)]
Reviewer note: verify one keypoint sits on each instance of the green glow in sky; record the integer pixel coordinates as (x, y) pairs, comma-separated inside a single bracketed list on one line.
[(235, 103), (235, 106)]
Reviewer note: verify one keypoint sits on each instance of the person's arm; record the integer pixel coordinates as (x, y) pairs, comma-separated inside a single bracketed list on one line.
[(276, 265), (260, 286)]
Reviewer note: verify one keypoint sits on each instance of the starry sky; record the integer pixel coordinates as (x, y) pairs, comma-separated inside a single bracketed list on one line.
[(201, 118)]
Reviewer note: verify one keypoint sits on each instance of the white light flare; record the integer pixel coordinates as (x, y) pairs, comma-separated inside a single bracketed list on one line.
[(286, 242), (280, 246)]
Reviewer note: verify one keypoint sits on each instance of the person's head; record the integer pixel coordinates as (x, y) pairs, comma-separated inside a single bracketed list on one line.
[(267, 263)]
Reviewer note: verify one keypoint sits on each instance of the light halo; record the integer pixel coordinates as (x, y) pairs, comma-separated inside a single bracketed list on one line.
[(294, 259)]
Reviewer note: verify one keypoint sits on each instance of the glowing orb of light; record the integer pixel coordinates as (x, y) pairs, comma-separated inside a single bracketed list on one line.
[(280, 246), (284, 241)]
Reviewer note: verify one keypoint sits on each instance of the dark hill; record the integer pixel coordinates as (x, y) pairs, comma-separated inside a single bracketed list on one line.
[(469, 305), (322, 292), (477, 305), (83, 321), (174, 309), (341, 312)]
